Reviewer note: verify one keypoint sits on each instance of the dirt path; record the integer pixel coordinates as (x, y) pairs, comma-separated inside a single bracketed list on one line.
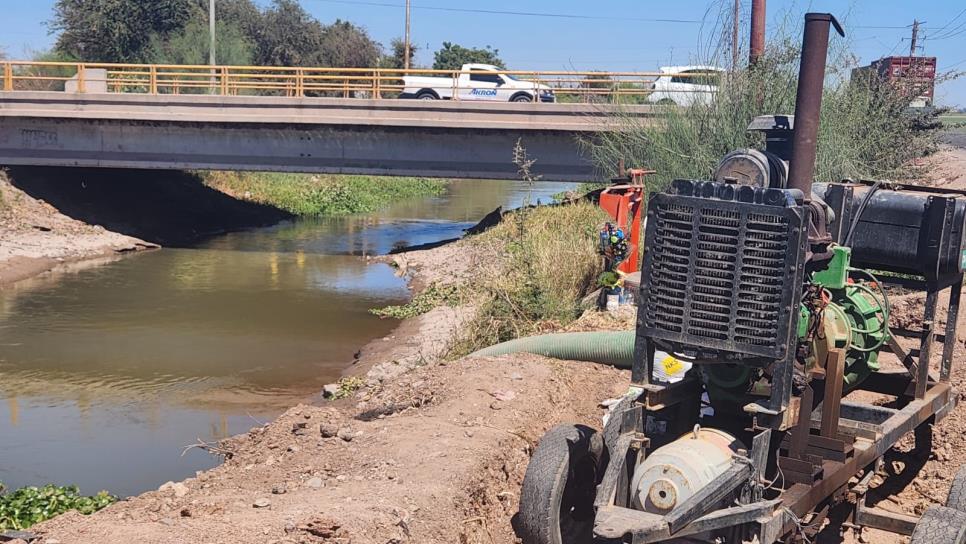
[(36, 237)]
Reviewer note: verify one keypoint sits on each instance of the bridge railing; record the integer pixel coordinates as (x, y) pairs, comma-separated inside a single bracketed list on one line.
[(386, 83)]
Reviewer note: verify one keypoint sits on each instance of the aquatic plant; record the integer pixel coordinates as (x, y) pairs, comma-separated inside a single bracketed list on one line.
[(27, 506)]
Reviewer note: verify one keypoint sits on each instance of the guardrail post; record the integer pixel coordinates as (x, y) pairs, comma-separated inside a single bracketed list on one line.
[(300, 83), (153, 79), (375, 84), (224, 81), (7, 76), (456, 86), (81, 83)]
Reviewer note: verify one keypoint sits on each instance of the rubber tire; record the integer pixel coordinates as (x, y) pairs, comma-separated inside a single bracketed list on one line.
[(940, 525), (522, 98), (426, 96), (957, 492), (567, 454)]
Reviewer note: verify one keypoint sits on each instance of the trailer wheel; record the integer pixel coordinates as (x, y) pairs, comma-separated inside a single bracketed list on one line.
[(957, 492), (557, 499), (940, 525), (427, 95)]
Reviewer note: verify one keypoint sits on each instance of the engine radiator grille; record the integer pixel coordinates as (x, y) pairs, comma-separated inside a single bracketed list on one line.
[(722, 271)]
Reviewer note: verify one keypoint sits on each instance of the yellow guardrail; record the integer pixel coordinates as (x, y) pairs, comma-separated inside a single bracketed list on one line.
[(168, 79)]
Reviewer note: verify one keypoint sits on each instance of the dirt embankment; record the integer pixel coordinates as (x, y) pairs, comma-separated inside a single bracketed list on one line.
[(36, 237), (53, 217)]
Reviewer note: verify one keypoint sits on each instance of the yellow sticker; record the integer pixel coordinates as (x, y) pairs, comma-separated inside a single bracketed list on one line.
[(672, 366)]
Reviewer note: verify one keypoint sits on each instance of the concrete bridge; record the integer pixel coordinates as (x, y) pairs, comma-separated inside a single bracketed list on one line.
[(290, 134)]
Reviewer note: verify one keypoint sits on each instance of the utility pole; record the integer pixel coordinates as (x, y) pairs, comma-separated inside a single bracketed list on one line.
[(408, 48), (757, 31), (915, 38), (211, 30), (734, 35)]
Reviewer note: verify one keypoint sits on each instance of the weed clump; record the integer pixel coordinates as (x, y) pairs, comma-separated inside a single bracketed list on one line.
[(348, 386), (432, 297)]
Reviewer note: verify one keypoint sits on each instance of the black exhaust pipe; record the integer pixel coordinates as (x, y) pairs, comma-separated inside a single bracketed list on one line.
[(808, 101)]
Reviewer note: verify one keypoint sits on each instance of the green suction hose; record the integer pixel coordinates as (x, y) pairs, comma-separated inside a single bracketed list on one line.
[(611, 348)]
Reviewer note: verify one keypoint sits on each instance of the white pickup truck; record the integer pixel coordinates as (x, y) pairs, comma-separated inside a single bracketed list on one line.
[(476, 82)]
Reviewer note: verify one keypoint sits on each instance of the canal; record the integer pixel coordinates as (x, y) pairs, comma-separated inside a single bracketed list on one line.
[(107, 372)]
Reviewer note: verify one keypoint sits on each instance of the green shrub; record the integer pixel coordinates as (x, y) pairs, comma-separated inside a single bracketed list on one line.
[(31, 505), (866, 129)]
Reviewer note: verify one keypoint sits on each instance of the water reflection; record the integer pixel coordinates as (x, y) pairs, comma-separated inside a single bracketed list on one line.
[(108, 372)]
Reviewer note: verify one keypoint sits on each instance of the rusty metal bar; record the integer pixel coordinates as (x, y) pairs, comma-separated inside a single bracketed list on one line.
[(802, 429), (757, 31), (831, 405), (925, 345), (952, 322), (808, 101), (877, 518)]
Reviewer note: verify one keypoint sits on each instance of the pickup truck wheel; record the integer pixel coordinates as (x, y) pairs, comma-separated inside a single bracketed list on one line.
[(522, 98), (427, 95), (557, 499)]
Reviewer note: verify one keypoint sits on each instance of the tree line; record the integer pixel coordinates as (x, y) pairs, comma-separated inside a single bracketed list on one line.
[(281, 34)]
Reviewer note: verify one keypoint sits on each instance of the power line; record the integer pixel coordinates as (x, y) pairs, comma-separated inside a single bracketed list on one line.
[(951, 21), (517, 13), (955, 31), (903, 27)]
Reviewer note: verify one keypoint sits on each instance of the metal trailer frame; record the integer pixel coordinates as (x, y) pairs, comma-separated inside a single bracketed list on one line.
[(822, 451)]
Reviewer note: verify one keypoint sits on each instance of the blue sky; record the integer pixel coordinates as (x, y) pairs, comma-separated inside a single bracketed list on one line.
[(618, 35)]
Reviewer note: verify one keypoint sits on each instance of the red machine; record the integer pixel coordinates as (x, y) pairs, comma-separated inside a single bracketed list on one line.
[(623, 202)]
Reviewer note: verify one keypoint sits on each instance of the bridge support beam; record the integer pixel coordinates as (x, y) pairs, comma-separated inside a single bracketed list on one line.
[(343, 149)]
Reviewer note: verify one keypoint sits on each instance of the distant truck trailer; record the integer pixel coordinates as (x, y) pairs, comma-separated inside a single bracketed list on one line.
[(915, 76)]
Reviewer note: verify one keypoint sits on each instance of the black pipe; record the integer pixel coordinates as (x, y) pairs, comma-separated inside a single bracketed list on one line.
[(808, 101)]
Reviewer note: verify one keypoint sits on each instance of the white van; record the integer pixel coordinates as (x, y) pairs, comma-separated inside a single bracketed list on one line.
[(481, 82), (685, 85)]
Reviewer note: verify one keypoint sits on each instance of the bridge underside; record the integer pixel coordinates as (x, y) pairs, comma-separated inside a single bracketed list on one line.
[(343, 149)]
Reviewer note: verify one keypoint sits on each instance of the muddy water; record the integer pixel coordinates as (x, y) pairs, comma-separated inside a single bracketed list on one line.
[(108, 372)]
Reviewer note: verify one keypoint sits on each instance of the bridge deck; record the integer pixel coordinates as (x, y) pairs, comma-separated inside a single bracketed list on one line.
[(330, 135)]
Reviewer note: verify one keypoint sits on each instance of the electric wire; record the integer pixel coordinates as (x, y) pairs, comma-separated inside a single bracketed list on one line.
[(517, 13), (951, 21)]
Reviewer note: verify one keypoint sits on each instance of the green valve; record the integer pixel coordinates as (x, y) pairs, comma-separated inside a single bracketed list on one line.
[(836, 274)]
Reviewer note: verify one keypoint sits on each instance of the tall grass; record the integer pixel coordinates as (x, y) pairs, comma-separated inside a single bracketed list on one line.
[(866, 129), (539, 265), (303, 194)]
